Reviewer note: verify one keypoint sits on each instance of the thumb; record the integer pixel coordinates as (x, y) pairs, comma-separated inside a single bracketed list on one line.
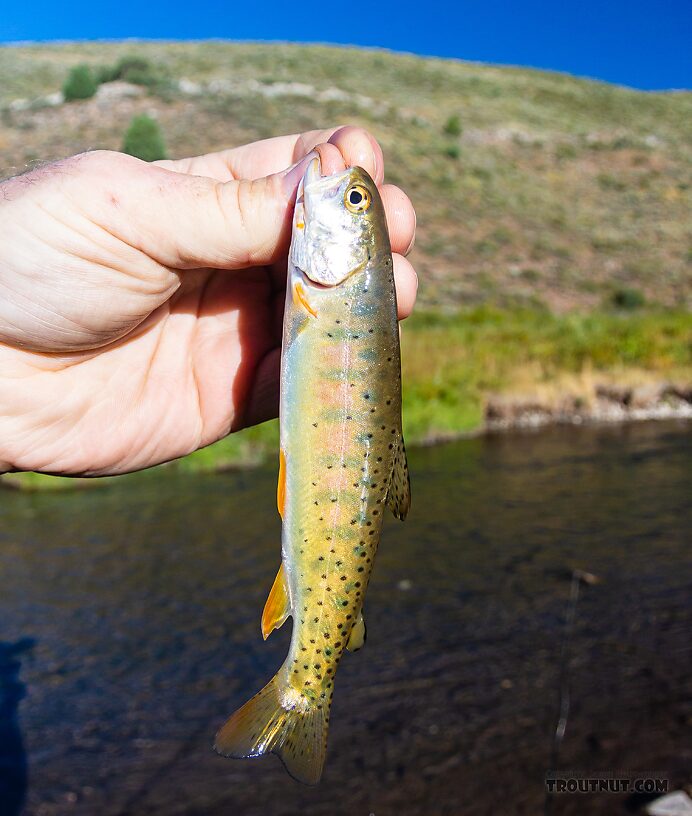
[(184, 221)]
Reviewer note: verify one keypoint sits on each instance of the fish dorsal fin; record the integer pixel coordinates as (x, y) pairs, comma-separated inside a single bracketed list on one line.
[(399, 493), (358, 635), (277, 607)]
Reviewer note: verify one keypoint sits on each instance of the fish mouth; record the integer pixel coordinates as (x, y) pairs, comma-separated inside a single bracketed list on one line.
[(314, 183)]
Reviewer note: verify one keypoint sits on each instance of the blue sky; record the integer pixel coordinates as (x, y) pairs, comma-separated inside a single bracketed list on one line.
[(642, 44)]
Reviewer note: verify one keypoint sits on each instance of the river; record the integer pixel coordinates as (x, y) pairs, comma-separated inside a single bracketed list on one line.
[(129, 630)]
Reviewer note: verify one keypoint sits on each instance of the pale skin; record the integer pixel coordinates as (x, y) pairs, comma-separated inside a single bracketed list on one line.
[(141, 305)]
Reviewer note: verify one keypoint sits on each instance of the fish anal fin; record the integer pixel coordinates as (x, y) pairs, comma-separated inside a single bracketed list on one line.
[(277, 608), (399, 493), (358, 635)]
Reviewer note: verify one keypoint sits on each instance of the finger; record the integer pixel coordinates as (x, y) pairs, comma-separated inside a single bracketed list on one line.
[(263, 400), (184, 221), (360, 149), (401, 218), (406, 282), (270, 156), (251, 161)]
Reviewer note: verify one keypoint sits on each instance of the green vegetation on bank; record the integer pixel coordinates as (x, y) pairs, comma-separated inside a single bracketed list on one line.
[(452, 364)]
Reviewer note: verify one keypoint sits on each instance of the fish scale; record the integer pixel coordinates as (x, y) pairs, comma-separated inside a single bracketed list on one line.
[(342, 460)]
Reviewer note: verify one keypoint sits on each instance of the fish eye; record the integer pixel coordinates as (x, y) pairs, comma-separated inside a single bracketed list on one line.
[(357, 199)]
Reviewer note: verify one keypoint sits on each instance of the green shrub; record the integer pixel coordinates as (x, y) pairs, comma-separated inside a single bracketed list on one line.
[(453, 126), (134, 69), (628, 298), (452, 151), (144, 139), (106, 73), (137, 70), (80, 83)]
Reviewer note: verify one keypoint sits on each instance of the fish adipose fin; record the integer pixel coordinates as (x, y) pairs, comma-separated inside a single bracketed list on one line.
[(399, 493), (358, 635), (277, 608), (279, 721)]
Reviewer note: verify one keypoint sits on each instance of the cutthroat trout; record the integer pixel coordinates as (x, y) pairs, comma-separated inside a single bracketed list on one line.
[(342, 460)]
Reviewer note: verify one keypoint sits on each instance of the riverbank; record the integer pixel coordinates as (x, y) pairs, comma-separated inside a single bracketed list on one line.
[(483, 369)]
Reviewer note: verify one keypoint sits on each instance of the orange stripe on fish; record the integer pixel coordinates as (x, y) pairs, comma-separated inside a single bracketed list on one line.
[(299, 297), (281, 485)]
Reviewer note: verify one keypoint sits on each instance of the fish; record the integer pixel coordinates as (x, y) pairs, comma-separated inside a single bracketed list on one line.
[(342, 460)]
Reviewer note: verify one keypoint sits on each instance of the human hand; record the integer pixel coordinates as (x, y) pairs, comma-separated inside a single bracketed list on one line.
[(141, 304)]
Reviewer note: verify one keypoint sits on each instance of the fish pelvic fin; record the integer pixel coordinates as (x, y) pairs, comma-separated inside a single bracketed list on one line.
[(358, 635), (278, 607), (279, 721), (399, 493)]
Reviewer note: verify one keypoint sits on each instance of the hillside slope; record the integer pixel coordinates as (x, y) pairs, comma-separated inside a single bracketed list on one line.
[(556, 191)]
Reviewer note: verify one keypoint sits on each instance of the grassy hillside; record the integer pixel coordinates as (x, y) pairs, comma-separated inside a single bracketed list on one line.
[(544, 202), (557, 190)]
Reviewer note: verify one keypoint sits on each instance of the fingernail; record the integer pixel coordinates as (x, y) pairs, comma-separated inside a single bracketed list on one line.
[(295, 173), (413, 237)]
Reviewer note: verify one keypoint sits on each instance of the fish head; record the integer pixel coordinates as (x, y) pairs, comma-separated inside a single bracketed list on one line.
[(338, 224)]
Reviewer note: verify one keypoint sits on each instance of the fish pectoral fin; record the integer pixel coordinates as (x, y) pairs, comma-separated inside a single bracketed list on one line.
[(281, 484), (399, 493), (358, 635), (277, 608)]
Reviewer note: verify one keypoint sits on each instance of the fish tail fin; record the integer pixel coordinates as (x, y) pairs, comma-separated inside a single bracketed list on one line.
[(280, 721)]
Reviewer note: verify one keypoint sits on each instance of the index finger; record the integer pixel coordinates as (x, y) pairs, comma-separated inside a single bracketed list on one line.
[(269, 156)]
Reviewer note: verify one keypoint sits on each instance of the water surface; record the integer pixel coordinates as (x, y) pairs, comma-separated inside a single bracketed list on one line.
[(129, 630)]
